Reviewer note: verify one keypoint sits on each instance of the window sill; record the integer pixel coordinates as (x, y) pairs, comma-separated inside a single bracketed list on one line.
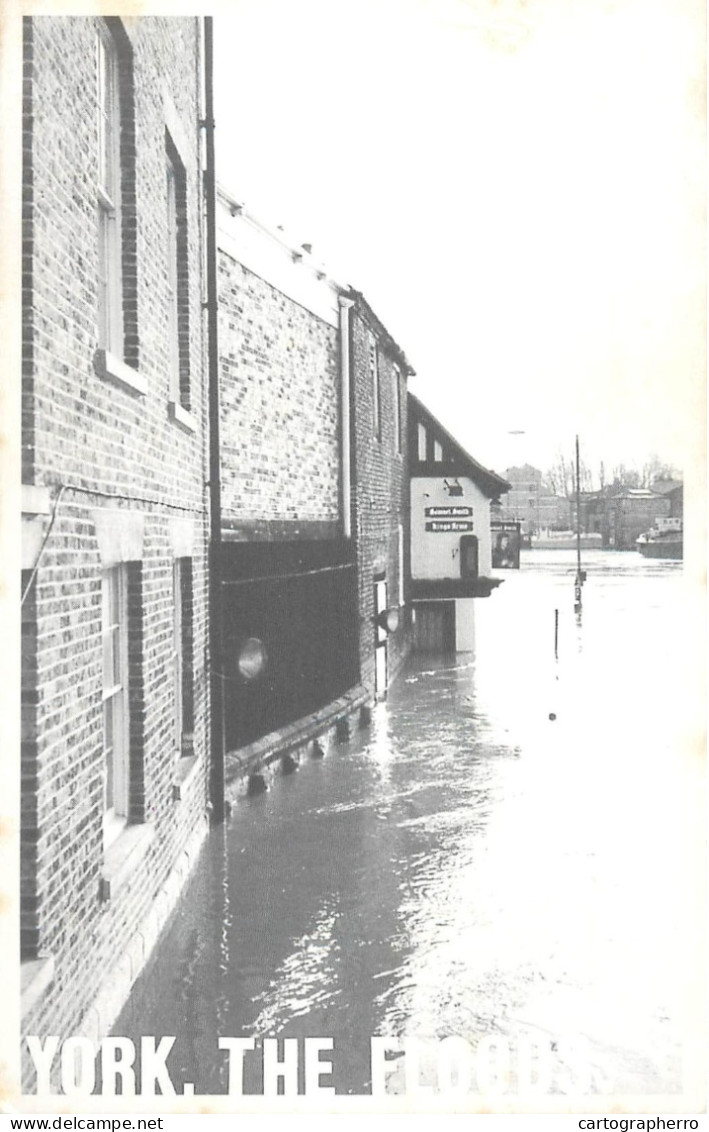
[(181, 416), (123, 857), (110, 368), (184, 776), (35, 977)]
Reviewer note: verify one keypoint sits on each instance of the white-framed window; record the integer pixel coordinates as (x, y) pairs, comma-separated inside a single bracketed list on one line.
[(437, 452), (108, 191), (116, 737), (422, 442), (376, 388), (176, 248), (172, 250)]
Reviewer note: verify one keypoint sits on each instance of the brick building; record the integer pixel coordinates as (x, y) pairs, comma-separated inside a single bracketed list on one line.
[(312, 451), (379, 372), (673, 490), (620, 514), (115, 701), (287, 556), (529, 502)]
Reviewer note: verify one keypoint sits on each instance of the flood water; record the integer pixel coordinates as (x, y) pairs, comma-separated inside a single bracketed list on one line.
[(469, 867)]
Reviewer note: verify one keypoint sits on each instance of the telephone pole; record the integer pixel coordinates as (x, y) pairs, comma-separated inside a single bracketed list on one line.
[(580, 574)]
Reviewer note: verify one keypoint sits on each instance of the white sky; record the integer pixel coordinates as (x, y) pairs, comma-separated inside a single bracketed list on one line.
[(516, 185)]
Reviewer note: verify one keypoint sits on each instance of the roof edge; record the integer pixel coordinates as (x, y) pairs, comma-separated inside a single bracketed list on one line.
[(500, 484), (395, 348)]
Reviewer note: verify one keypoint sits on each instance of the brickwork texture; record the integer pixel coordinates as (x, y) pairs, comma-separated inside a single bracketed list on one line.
[(380, 485), (280, 404), (96, 443)]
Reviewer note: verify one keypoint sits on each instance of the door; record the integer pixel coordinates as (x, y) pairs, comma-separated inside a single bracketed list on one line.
[(434, 627), (469, 557)]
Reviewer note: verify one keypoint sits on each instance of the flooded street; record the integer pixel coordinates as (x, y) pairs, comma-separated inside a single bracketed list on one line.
[(470, 867)]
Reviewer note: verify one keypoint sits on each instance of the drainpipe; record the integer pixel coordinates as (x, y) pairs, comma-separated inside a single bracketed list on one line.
[(216, 649)]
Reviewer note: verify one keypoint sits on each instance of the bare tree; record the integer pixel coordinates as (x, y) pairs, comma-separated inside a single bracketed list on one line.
[(626, 477), (655, 469)]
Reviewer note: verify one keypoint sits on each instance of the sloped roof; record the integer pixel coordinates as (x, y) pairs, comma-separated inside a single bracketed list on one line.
[(456, 461), (382, 331), (665, 486)]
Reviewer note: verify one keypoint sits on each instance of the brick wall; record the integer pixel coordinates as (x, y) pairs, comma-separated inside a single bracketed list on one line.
[(280, 404), (632, 516), (380, 484), (102, 445)]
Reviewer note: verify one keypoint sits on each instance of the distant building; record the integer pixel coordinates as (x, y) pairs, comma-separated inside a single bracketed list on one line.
[(451, 546), (674, 491), (620, 514), (631, 512), (529, 502)]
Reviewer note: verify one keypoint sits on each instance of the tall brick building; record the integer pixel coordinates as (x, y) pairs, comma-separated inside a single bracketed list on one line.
[(286, 558), (115, 703), (312, 451), (379, 373), (528, 501)]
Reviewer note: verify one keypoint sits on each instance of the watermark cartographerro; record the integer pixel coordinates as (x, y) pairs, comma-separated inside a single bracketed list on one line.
[(413, 1066), (641, 1123)]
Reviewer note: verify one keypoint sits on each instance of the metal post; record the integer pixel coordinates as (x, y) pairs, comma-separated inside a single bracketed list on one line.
[(579, 573)]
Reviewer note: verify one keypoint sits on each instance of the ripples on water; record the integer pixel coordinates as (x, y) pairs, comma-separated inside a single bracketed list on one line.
[(468, 866)]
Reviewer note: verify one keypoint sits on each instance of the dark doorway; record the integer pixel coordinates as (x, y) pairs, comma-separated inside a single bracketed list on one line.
[(434, 626)]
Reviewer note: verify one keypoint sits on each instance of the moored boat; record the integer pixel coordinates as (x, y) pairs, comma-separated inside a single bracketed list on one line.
[(663, 540)]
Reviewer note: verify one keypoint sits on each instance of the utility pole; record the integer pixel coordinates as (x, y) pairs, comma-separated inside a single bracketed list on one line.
[(580, 574)]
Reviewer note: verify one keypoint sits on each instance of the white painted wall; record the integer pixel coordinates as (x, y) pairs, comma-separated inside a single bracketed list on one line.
[(436, 554)]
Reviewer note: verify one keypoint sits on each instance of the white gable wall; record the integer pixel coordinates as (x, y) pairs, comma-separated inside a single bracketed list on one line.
[(435, 554)]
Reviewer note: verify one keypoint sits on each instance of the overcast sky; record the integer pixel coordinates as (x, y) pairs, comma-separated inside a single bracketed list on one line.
[(516, 185)]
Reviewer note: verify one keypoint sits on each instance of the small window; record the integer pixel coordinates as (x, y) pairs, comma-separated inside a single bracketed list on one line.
[(437, 452), (108, 190), (115, 701), (176, 247), (376, 389), (422, 443)]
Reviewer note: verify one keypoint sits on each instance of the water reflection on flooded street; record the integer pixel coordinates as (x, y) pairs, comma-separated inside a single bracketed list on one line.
[(469, 866)]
